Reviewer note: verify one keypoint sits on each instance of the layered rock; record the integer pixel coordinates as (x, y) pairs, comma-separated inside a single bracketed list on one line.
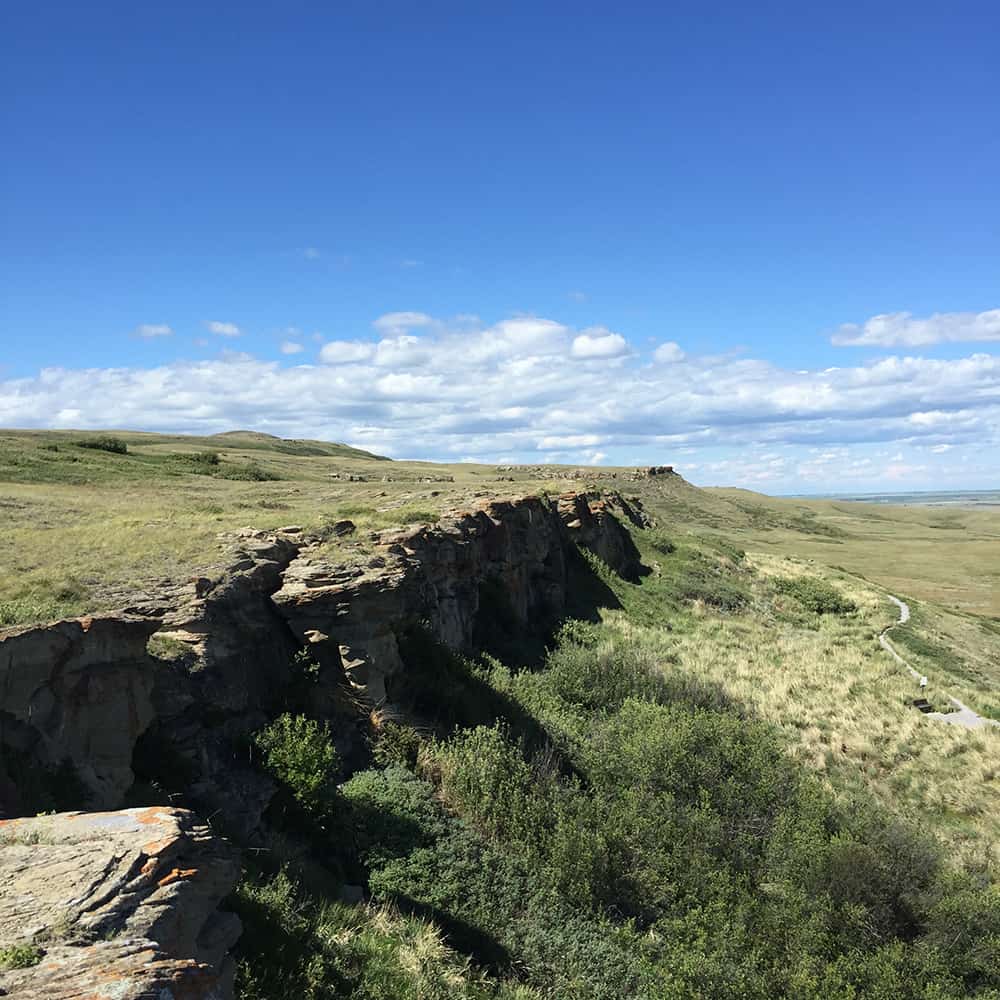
[(509, 557), (78, 691), (225, 666), (508, 552), (592, 522), (119, 905)]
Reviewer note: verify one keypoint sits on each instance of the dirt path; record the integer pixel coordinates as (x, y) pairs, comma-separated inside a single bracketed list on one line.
[(963, 715)]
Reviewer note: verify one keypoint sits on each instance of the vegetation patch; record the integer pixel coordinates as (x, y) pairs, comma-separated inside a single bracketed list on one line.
[(299, 753), (20, 956), (815, 595), (249, 472), (104, 442)]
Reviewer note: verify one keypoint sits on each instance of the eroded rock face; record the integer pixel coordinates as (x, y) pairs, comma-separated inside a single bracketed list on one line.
[(592, 522), (120, 905), (510, 554), (224, 669), (78, 690)]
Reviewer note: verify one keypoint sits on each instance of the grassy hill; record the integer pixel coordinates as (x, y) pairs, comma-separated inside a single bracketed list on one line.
[(725, 789)]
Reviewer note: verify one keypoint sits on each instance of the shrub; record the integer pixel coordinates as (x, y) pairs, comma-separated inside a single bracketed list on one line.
[(204, 461), (815, 595), (299, 752), (397, 744), (19, 956), (297, 944), (251, 472), (659, 541), (104, 443)]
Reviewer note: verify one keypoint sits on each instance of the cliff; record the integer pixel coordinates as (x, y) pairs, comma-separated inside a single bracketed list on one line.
[(225, 658)]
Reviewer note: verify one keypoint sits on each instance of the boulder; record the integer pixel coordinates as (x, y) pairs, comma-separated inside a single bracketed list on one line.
[(119, 905)]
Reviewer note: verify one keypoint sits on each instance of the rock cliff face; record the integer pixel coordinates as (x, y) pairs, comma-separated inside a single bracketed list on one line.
[(77, 691), (117, 905), (224, 661), (442, 577)]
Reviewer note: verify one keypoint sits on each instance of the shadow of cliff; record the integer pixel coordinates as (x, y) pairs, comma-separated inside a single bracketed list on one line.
[(586, 593), (451, 692)]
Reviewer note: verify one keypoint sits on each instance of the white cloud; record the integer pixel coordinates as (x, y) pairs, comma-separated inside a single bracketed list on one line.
[(577, 296), (311, 253), (903, 329), (223, 329), (396, 323), (291, 347), (148, 331), (668, 353), (341, 352), (514, 388), (597, 342)]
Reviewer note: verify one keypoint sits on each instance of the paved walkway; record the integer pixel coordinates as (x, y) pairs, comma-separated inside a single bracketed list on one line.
[(963, 715)]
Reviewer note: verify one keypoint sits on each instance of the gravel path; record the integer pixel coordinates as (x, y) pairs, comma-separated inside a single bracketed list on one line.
[(963, 715)]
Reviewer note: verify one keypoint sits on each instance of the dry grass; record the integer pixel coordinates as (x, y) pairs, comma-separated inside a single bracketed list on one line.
[(846, 706)]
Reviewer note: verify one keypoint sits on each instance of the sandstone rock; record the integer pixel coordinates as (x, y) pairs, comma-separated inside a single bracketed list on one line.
[(78, 690), (232, 680), (591, 521), (510, 553), (122, 905)]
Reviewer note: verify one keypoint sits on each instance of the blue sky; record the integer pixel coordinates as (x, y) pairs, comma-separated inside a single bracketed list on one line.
[(456, 231)]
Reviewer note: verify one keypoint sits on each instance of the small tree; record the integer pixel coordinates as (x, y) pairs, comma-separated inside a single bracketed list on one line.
[(299, 752)]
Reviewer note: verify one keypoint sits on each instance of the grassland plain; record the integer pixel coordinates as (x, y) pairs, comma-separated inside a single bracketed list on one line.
[(763, 613)]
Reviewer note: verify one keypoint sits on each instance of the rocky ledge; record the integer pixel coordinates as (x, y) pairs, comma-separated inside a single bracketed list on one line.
[(171, 690), (118, 905)]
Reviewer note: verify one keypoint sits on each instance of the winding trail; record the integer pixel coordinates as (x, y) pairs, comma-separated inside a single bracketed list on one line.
[(963, 715)]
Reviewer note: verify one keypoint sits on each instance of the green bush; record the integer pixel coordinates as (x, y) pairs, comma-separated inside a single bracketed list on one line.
[(251, 472), (299, 753), (296, 943), (660, 542), (205, 462), (815, 595), (19, 956), (397, 744), (104, 443)]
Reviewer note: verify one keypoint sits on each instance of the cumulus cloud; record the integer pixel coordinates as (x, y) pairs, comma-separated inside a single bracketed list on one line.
[(396, 323), (903, 329), (223, 329), (291, 347), (519, 388), (668, 353), (597, 342), (149, 331), (341, 352)]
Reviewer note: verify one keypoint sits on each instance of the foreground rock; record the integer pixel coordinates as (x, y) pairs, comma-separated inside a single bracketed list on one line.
[(119, 905)]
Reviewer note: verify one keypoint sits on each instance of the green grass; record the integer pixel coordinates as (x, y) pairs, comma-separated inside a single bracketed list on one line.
[(816, 595), (716, 785)]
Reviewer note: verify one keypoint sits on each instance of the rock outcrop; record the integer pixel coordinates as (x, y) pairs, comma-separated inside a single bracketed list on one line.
[(509, 558), (224, 670), (119, 905), (592, 522), (227, 654), (78, 691), (509, 552)]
